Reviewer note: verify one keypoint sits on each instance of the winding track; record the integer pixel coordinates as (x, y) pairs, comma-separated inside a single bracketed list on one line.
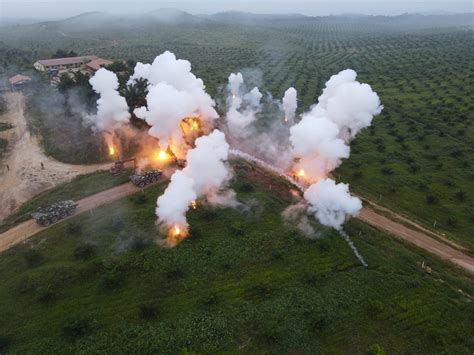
[(368, 215)]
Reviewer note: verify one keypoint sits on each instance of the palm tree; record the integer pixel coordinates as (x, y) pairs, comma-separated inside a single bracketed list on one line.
[(135, 95)]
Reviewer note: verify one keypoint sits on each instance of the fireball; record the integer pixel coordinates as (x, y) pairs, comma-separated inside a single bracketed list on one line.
[(176, 231), (162, 155)]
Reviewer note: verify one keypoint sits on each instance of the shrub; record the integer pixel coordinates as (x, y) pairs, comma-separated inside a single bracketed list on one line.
[(33, 258), (245, 187), (112, 280), (431, 200), (74, 228), (77, 327), (4, 343), (194, 233), (85, 251), (148, 311), (175, 273), (140, 243), (387, 171), (376, 349), (46, 295), (460, 196), (236, 230)]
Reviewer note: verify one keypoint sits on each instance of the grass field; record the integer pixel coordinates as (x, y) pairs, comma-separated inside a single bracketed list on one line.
[(245, 281)]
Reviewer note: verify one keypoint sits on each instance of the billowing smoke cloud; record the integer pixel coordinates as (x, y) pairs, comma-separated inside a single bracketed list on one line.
[(174, 203), (205, 175), (289, 103), (315, 142), (242, 107), (174, 93), (112, 109), (331, 203), (348, 103), (320, 142)]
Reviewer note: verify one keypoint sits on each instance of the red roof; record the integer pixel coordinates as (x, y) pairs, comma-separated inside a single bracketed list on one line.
[(98, 63), (67, 61), (18, 78)]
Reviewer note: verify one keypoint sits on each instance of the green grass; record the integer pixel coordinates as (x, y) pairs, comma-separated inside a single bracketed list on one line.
[(79, 187), (246, 282)]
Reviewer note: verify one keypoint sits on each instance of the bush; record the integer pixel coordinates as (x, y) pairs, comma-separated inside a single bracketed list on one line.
[(85, 251), (74, 228), (148, 311), (245, 187), (387, 171), (140, 243), (4, 343), (112, 280), (77, 327), (33, 258), (376, 349), (236, 230), (46, 295), (431, 200), (175, 273)]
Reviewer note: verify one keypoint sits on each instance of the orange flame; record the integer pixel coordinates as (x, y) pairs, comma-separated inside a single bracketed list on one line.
[(193, 204), (176, 231), (300, 173), (111, 151), (162, 155)]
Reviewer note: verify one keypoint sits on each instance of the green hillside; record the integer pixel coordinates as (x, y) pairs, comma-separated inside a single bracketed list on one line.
[(244, 282)]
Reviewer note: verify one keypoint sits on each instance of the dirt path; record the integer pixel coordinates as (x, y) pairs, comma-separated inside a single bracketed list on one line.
[(26, 178), (368, 215), (29, 228), (418, 238)]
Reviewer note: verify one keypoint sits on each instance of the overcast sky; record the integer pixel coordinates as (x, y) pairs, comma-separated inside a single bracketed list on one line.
[(65, 8)]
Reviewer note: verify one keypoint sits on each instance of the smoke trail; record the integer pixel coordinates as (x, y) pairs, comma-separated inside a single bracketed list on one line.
[(289, 103), (353, 247), (112, 109), (242, 109)]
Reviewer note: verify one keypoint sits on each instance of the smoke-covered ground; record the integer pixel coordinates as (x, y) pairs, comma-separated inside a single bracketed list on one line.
[(26, 170)]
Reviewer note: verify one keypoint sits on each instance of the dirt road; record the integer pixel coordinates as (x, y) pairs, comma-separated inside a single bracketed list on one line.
[(418, 238), (367, 215), (26, 177), (29, 228)]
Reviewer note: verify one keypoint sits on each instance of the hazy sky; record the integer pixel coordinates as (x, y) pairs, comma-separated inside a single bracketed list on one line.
[(64, 8)]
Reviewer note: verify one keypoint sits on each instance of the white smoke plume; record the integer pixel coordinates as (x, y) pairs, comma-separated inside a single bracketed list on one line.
[(348, 103), (331, 203), (320, 142), (315, 141), (174, 203), (289, 103), (112, 109), (205, 175), (242, 106), (174, 93)]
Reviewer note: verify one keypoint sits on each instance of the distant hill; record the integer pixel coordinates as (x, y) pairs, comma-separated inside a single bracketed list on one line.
[(247, 17)]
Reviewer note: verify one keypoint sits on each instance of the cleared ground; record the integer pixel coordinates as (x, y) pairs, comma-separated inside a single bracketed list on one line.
[(26, 177)]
